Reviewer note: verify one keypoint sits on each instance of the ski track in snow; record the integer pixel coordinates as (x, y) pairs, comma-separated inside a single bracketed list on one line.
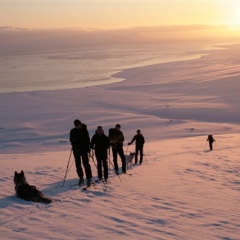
[(189, 194)]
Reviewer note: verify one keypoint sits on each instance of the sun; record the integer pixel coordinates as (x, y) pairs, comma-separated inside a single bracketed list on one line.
[(236, 15)]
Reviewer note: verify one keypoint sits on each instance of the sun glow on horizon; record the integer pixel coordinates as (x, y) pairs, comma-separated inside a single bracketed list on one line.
[(116, 14)]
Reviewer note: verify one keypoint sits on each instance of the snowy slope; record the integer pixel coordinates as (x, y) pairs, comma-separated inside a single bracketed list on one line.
[(177, 99), (181, 191)]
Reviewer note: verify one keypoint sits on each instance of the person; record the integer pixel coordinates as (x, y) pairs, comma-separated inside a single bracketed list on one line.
[(80, 141), (100, 143), (211, 140), (116, 140), (139, 138)]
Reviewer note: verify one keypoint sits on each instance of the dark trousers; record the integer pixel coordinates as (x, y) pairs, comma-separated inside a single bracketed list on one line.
[(82, 158), (102, 162), (115, 151), (211, 145), (140, 150)]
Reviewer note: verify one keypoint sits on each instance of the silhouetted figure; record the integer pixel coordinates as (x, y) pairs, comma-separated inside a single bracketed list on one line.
[(80, 140), (100, 143), (139, 138), (116, 139), (211, 140)]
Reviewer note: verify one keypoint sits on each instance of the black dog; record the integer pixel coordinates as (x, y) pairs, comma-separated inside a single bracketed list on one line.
[(26, 191)]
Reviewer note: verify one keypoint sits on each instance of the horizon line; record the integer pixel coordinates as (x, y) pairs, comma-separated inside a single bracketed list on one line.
[(117, 29)]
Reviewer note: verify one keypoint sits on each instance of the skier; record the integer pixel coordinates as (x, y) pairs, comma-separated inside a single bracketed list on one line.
[(116, 139), (80, 140), (211, 140), (100, 143), (139, 138)]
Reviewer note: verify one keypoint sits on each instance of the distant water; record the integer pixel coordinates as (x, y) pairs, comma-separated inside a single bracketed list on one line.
[(81, 67)]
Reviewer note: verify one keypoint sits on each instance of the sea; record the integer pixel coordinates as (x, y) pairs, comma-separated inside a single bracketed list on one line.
[(85, 66)]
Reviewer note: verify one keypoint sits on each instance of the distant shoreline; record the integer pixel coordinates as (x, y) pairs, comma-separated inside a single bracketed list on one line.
[(110, 76), (166, 101), (201, 54)]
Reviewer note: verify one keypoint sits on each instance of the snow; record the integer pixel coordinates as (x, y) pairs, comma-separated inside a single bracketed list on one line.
[(181, 191)]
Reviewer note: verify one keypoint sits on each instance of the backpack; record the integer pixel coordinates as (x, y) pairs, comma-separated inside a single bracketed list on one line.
[(111, 133)]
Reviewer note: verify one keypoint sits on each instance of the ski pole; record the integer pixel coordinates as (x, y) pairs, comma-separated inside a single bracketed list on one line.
[(109, 160), (145, 158), (91, 156), (113, 168), (93, 159), (126, 150), (205, 147), (67, 167)]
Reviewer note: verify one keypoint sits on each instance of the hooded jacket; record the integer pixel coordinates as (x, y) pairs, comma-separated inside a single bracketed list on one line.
[(79, 138), (139, 140), (210, 139), (100, 142)]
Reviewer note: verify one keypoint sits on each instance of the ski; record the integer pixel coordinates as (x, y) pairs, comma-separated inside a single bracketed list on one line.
[(101, 181), (86, 188), (129, 174)]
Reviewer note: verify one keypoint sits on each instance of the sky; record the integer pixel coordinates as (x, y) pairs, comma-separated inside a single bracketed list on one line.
[(36, 25), (116, 14)]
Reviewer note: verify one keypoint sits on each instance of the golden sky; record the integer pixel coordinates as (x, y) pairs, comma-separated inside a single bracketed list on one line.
[(114, 14)]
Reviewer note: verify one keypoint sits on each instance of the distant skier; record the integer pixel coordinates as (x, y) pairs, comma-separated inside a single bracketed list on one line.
[(100, 143), (116, 139), (80, 140), (211, 140), (139, 138)]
